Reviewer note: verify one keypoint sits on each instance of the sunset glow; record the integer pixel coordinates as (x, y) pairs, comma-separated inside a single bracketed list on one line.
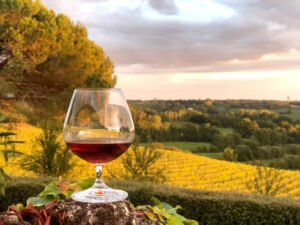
[(195, 49)]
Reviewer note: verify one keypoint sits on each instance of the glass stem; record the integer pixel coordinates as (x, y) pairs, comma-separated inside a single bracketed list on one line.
[(99, 183)]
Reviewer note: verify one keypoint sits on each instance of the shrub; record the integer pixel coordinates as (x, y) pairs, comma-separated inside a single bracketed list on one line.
[(20, 188), (211, 208), (266, 180), (229, 154), (53, 159), (139, 164), (288, 162), (292, 149), (244, 153)]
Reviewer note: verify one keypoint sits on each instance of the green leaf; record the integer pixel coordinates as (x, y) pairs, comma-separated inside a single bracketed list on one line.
[(190, 222), (161, 219), (51, 190), (68, 193), (175, 220), (150, 215), (166, 205), (20, 206), (157, 210), (86, 183), (156, 201), (174, 210), (38, 202)]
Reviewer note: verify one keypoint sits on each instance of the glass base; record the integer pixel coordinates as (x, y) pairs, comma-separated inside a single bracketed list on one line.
[(99, 195)]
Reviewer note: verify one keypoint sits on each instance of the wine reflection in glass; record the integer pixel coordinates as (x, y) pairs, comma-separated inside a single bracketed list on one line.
[(98, 128)]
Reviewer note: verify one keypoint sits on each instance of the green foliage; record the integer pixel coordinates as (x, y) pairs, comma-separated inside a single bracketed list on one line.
[(165, 213), (9, 151), (19, 189), (3, 180), (58, 191), (212, 208), (139, 163), (9, 145), (229, 155), (53, 159), (290, 162), (48, 55), (267, 181), (216, 208)]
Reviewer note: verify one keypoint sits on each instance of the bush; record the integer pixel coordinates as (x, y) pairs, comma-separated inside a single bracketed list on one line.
[(211, 208), (139, 165), (20, 188), (53, 159), (287, 162), (229, 154), (244, 153), (217, 207), (293, 149)]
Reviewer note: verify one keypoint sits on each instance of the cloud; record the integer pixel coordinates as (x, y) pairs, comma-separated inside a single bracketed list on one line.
[(164, 6), (157, 36)]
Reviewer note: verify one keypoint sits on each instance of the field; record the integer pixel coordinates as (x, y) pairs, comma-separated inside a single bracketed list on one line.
[(294, 113), (186, 146), (181, 168), (224, 130)]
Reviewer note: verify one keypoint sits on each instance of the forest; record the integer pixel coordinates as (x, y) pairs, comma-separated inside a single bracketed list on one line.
[(235, 130)]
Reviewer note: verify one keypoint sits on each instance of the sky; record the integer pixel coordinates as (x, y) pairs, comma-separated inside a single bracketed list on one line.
[(196, 49)]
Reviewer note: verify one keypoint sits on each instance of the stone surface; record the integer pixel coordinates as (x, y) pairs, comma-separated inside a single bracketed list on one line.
[(79, 213)]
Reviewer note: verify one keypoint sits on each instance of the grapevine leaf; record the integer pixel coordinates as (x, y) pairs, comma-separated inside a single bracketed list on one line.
[(68, 193), (166, 205), (161, 219), (190, 222), (150, 215), (86, 183), (156, 210), (174, 210), (50, 191), (38, 202), (175, 220), (156, 201)]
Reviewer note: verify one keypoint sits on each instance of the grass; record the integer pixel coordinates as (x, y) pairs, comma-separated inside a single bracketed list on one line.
[(186, 146), (224, 130), (295, 113), (213, 155), (180, 124)]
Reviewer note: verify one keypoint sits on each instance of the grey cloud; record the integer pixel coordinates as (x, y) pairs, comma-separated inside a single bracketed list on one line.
[(255, 29), (171, 44), (164, 6)]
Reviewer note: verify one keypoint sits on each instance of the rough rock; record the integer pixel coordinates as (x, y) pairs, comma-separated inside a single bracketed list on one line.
[(79, 213)]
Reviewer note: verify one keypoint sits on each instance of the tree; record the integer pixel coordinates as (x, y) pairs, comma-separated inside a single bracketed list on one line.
[(46, 55), (229, 154), (243, 153)]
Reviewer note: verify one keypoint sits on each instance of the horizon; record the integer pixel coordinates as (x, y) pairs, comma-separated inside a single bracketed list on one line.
[(191, 49), (203, 99)]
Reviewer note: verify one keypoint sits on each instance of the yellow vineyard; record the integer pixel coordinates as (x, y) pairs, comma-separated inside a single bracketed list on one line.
[(181, 168)]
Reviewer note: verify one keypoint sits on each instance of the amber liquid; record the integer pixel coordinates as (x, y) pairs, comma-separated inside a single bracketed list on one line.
[(98, 153)]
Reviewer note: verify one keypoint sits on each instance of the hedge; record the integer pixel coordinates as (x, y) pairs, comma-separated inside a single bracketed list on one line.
[(208, 208)]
